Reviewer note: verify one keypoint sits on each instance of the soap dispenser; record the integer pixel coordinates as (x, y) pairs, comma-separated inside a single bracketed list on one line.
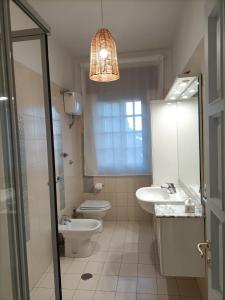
[(189, 206)]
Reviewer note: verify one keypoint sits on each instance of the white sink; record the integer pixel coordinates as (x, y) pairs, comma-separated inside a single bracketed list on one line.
[(149, 196)]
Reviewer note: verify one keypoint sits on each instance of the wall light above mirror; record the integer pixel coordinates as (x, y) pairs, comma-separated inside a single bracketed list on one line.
[(183, 88)]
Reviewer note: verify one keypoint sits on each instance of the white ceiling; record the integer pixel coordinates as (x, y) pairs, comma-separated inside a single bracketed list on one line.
[(136, 24)]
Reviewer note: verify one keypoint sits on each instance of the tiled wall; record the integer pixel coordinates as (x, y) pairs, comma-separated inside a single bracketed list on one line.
[(30, 105), (120, 191), (29, 91), (73, 179)]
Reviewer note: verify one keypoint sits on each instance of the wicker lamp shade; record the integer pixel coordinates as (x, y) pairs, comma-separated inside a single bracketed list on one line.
[(103, 57)]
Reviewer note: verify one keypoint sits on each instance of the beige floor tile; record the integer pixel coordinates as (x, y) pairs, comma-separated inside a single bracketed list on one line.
[(130, 257), (167, 297), (94, 267), (130, 247), (147, 246), (147, 297), (127, 270), (146, 258), (50, 269), (188, 287), (127, 285), (117, 244), (85, 259), (146, 285), (146, 270), (167, 287), (70, 281), (107, 283), (90, 284), (64, 267), (190, 298), (47, 281), (67, 294), (114, 256), (125, 296), (83, 295), (100, 295), (67, 260), (133, 238), (99, 256), (111, 268), (77, 267), (41, 294), (102, 245)]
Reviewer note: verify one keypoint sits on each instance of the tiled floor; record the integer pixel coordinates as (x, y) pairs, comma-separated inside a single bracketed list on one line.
[(124, 265)]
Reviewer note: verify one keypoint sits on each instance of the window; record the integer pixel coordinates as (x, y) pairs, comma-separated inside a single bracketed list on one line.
[(117, 139), (121, 137)]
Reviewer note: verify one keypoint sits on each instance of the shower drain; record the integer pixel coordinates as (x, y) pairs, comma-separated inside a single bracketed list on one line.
[(86, 276)]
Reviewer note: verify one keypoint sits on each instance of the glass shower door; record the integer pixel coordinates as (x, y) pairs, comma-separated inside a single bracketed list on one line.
[(29, 262), (13, 276), (7, 207)]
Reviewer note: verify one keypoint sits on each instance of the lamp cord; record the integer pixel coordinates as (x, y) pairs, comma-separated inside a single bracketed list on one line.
[(102, 13)]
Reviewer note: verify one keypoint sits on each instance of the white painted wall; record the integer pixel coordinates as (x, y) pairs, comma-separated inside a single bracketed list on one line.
[(27, 53), (138, 57), (164, 142), (190, 31), (60, 62)]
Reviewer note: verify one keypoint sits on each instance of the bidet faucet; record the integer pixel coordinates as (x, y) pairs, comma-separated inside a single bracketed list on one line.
[(65, 220), (170, 187)]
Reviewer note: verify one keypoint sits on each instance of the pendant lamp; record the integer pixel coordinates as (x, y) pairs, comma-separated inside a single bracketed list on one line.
[(103, 56)]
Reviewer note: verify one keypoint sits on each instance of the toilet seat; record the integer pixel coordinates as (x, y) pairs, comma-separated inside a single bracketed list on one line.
[(94, 209), (94, 205)]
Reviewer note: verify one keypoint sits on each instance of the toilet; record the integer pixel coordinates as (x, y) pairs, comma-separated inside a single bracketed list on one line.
[(77, 234), (94, 209)]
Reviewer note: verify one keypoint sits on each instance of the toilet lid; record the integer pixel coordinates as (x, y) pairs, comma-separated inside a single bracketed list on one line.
[(94, 204)]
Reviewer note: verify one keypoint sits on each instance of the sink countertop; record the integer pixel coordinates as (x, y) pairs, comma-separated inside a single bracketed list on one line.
[(173, 210)]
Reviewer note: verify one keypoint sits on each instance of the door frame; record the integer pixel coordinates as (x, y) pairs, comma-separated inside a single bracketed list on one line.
[(214, 145), (9, 37)]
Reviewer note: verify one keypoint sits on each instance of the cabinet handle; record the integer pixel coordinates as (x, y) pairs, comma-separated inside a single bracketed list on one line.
[(203, 245)]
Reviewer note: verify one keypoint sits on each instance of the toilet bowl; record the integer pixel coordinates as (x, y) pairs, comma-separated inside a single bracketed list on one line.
[(94, 209), (77, 234)]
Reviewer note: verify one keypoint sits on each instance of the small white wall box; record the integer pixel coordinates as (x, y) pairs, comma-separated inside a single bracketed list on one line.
[(72, 103)]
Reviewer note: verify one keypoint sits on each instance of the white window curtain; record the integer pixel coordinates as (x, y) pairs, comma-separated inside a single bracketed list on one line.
[(117, 139)]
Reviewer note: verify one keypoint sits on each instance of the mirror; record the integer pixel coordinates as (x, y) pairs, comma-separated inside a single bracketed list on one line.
[(188, 135)]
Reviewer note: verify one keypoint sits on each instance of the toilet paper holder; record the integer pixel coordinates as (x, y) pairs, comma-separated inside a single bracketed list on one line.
[(98, 186)]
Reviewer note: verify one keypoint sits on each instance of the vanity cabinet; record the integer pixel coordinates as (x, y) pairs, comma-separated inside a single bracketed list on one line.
[(177, 239)]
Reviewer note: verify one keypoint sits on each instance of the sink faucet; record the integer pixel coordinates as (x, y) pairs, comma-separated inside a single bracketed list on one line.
[(65, 220), (170, 187)]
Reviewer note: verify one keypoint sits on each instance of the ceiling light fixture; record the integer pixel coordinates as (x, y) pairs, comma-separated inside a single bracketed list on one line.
[(103, 56)]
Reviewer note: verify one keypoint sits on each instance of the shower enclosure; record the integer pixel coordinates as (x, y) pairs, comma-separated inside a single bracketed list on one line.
[(28, 212)]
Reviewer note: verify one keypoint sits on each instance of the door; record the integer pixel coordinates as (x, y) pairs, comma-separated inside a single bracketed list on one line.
[(215, 163), (30, 139)]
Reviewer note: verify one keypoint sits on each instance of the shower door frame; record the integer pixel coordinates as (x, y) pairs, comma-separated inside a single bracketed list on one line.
[(9, 37)]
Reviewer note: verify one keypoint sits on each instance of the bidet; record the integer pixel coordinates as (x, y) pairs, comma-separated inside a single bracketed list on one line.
[(77, 234)]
